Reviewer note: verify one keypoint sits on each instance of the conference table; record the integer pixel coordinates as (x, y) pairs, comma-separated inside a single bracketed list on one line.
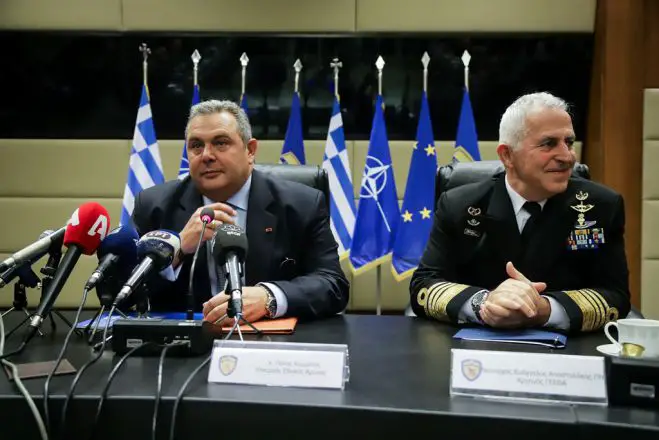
[(398, 386)]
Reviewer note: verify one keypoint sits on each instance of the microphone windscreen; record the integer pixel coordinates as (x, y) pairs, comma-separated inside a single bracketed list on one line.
[(88, 225), (121, 241), (161, 245), (229, 238), (207, 215)]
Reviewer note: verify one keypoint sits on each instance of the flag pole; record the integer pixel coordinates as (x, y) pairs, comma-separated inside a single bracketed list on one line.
[(145, 64), (196, 57), (466, 58), (425, 60), (378, 271), (298, 68), (244, 60), (336, 65)]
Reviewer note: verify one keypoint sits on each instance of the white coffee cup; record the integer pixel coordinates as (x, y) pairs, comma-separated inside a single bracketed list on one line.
[(643, 332)]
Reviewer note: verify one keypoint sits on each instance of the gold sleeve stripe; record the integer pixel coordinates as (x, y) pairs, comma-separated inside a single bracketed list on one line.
[(600, 307), (438, 297), (595, 310), (587, 310), (611, 313), (593, 306)]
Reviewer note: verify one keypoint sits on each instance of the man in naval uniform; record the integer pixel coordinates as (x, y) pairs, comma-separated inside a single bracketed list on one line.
[(533, 246)]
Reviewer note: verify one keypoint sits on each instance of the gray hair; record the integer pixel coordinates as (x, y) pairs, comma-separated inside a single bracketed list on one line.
[(213, 106), (512, 127)]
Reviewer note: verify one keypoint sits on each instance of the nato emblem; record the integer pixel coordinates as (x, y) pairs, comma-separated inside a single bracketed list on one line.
[(471, 369), (228, 364)]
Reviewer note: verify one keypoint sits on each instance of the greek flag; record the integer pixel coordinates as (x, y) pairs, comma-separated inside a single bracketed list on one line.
[(184, 168), (337, 165), (466, 141), (293, 151), (378, 211), (144, 166)]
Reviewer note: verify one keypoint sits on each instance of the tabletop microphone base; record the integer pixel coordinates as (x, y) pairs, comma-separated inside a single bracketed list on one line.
[(197, 336)]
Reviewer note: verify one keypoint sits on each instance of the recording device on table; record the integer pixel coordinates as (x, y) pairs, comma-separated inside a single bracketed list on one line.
[(156, 251)]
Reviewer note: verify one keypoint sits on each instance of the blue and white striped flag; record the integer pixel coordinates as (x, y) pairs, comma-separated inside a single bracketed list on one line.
[(184, 168), (337, 165), (144, 166)]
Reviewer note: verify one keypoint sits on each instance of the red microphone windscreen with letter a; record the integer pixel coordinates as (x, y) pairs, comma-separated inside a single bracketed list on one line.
[(87, 227)]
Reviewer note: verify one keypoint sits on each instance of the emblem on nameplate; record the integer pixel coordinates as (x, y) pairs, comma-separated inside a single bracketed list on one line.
[(471, 369), (228, 364), (582, 209)]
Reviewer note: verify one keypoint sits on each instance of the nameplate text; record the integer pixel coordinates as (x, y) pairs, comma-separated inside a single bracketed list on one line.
[(534, 376)]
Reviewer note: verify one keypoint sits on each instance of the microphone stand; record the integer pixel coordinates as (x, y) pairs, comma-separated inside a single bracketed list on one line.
[(49, 271), (235, 309), (20, 301)]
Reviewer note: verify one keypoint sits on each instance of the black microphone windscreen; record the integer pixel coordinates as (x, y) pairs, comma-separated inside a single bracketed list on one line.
[(229, 238)]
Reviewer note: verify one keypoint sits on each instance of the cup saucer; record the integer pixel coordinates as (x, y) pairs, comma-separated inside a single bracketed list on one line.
[(609, 349)]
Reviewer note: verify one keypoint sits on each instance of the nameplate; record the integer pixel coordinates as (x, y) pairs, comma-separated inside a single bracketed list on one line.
[(528, 376), (284, 364)]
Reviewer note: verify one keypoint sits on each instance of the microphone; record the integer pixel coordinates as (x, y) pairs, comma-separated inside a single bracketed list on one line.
[(229, 251), (28, 277), (36, 249), (120, 246), (156, 250), (86, 228), (206, 215)]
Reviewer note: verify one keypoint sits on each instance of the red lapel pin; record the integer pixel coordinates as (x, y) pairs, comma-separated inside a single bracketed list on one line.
[(268, 229)]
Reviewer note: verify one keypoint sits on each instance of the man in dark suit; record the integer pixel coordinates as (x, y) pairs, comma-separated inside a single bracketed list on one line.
[(533, 246), (292, 266)]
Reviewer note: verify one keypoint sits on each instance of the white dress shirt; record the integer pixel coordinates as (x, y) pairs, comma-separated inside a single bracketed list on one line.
[(239, 201), (558, 317)]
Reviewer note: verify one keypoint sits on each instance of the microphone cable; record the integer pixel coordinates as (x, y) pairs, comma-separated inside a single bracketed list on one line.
[(111, 377), (82, 370), (161, 364), (21, 387), (179, 396), (46, 387)]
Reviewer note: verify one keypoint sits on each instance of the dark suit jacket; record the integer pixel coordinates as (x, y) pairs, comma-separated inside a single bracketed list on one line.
[(285, 221), (475, 233)]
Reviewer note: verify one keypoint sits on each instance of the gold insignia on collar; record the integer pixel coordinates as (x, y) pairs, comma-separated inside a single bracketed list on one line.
[(582, 209), (473, 211)]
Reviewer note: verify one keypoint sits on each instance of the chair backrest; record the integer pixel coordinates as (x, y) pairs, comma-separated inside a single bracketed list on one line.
[(461, 173), (310, 175)]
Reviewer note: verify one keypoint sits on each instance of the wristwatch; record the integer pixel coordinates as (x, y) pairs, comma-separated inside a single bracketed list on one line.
[(477, 300), (270, 302)]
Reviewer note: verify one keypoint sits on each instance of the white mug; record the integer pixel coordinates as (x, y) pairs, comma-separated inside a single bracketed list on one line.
[(643, 332)]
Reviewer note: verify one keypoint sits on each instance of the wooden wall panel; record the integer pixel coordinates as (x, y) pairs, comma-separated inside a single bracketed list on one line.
[(614, 147)]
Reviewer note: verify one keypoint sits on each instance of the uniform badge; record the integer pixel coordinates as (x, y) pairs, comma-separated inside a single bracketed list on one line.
[(582, 209), (473, 222), (471, 369), (585, 239), (228, 364)]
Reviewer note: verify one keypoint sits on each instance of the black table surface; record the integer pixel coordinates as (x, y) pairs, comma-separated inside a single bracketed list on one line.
[(399, 385)]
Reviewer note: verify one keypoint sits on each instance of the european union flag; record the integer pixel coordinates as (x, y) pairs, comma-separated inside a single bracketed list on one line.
[(184, 168), (466, 141), (243, 103), (293, 151), (144, 166), (377, 212), (416, 217)]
